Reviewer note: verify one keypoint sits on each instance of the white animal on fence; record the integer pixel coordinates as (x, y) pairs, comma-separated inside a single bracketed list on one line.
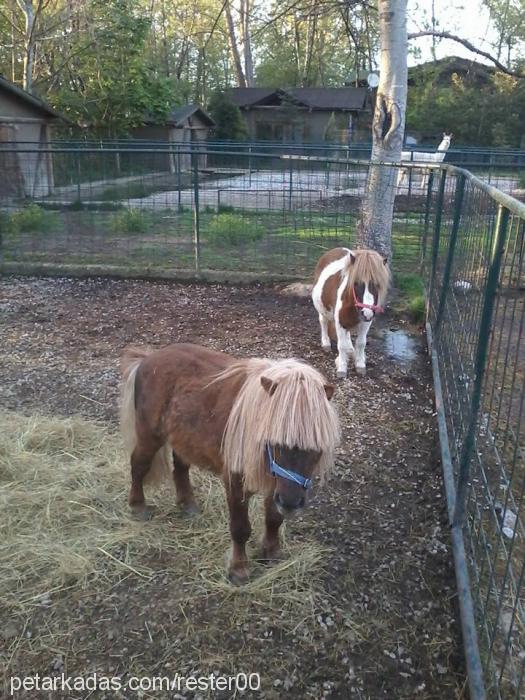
[(423, 156)]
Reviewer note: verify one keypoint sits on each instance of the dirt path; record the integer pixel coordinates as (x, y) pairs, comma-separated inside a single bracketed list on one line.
[(384, 624)]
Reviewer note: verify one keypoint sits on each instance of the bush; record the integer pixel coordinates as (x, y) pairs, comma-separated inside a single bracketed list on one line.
[(233, 229), (32, 218), (411, 297), (130, 221)]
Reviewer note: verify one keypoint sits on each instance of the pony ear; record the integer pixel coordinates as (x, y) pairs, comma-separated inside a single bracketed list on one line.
[(352, 258), (385, 260), (329, 391), (268, 385)]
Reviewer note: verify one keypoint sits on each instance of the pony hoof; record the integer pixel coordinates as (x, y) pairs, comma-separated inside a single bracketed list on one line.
[(361, 371), (143, 513), (270, 556), (189, 509), (341, 375), (327, 349), (238, 578)]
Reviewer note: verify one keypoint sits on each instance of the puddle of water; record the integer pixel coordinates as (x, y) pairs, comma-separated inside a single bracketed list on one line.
[(399, 345)]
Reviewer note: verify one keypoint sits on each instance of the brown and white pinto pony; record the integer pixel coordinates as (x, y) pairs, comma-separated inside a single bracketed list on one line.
[(349, 289), (186, 405)]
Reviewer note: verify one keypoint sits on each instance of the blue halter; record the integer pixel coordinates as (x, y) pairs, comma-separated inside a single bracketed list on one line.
[(277, 470)]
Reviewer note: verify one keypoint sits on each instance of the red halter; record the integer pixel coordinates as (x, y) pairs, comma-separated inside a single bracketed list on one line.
[(360, 305)]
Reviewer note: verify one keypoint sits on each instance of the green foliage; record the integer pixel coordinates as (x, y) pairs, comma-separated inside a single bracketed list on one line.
[(411, 299), (31, 219), (114, 88), (490, 115), (234, 229), (130, 221), (228, 118), (417, 309)]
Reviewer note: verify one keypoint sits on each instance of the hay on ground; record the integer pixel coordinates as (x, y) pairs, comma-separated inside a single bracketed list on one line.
[(65, 523)]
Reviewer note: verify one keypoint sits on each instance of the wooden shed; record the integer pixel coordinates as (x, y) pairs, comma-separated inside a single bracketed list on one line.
[(25, 134), (184, 125)]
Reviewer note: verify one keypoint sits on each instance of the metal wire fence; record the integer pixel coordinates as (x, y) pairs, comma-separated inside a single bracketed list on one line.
[(193, 210), (206, 211), (476, 272)]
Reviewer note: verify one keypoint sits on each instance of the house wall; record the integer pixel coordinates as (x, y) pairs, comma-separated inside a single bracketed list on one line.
[(25, 123), (151, 132), (305, 126), (186, 135), (177, 136)]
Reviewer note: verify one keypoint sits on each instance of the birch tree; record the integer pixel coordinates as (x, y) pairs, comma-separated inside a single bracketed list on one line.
[(375, 230)]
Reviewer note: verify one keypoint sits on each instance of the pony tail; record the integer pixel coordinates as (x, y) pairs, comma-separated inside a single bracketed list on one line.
[(131, 359), (130, 363), (161, 465)]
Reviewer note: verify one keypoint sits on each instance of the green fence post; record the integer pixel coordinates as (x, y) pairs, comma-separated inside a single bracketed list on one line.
[(196, 213), (79, 189), (179, 181), (458, 204), (290, 186), (427, 218), (437, 232), (487, 310)]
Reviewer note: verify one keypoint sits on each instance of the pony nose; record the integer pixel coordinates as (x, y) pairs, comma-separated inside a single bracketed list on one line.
[(367, 314), (289, 502)]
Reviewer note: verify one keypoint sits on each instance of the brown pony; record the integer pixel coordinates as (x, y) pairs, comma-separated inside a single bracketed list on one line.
[(349, 288), (261, 425)]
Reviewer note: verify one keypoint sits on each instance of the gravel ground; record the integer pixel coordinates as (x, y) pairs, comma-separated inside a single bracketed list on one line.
[(385, 624)]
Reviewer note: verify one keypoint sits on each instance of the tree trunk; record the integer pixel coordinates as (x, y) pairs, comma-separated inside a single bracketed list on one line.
[(29, 45), (311, 26), (375, 229), (247, 43), (241, 79)]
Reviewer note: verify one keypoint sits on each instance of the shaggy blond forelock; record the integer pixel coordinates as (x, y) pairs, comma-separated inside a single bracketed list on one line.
[(296, 414)]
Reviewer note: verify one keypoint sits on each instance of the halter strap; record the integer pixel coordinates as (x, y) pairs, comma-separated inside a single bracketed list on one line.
[(277, 470), (359, 304)]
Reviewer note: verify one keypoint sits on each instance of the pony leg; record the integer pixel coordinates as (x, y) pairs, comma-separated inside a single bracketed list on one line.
[(183, 486), (141, 460), (325, 338), (344, 348), (240, 529), (360, 344), (271, 548)]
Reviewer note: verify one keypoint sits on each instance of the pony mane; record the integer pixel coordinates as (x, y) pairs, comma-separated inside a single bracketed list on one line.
[(297, 414), (369, 266)]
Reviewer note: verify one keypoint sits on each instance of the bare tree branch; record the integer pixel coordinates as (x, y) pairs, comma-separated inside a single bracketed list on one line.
[(470, 47)]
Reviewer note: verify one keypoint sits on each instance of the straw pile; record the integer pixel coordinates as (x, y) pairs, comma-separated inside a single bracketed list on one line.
[(65, 524)]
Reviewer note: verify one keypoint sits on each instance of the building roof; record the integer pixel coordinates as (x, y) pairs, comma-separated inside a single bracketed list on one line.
[(344, 99), (179, 115), (453, 64), (245, 97), (31, 100)]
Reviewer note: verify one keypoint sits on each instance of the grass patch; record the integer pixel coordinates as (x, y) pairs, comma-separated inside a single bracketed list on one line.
[(226, 209), (233, 229), (411, 300), (130, 190), (130, 221), (31, 219)]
